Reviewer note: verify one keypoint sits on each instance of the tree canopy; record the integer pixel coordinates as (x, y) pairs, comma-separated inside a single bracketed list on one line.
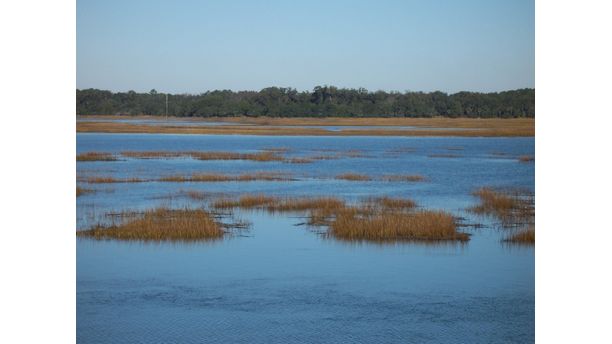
[(323, 101)]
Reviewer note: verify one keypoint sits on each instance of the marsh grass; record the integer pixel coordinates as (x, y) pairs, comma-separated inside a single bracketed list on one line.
[(107, 180), (389, 203), (213, 155), (83, 191), (160, 224), (353, 177), (510, 207), (526, 158), (96, 156), (270, 126), (375, 219), (422, 225), (199, 177), (525, 237)]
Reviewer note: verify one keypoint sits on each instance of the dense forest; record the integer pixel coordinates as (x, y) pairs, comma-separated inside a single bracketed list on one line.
[(322, 101)]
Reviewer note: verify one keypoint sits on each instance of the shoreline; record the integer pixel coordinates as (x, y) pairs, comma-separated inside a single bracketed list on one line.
[(300, 126)]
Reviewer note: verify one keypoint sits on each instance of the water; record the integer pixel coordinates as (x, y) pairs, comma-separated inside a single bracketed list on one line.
[(282, 283)]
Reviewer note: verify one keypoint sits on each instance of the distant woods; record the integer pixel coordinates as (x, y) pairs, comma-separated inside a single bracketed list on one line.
[(321, 102)]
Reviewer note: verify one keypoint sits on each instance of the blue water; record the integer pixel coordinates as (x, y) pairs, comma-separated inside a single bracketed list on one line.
[(283, 283)]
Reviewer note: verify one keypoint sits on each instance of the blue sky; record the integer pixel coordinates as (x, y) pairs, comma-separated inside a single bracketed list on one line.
[(194, 46)]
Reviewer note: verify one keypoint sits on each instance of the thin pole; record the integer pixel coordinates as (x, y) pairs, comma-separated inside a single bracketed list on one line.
[(166, 106)]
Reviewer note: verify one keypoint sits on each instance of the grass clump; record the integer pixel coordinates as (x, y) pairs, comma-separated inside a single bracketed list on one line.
[(96, 156), (389, 203), (105, 180), (526, 158), (526, 236), (353, 177), (510, 207), (349, 224), (82, 191), (246, 202), (159, 225)]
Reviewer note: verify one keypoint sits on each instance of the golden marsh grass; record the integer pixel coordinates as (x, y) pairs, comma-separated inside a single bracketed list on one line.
[(510, 207), (414, 226), (469, 127), (159, 225)]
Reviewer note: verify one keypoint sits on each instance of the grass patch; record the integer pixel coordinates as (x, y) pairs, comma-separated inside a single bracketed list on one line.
[(96, 156), (246, 202), (353, 177), (83, 191), (415, 226), (526, 236), (376, 219), (105, 180), (159, 225), (470, 127), (389, 203), (511, 208), (259, 156), (214, 177)]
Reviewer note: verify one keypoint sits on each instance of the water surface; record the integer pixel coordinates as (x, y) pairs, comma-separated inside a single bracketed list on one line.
[(284, 283)]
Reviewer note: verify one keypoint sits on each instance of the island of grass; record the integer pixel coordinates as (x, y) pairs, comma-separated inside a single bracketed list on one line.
[(375, 219), (161, 224)]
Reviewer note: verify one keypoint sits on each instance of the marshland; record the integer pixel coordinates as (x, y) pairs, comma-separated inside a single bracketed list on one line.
[(329, 226)]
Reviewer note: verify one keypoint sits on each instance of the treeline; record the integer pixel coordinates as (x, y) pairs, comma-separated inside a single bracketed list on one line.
[(321, 102)]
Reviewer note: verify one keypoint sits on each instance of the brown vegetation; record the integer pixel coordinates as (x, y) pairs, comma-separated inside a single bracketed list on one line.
[(259, 156), (199, 177), (82, 191), (161, 224), (353, 177), (510, 207), (377, 219), (104, 180), (96, 156), (526, 236), (526, 158), (473, 127), (418, 225)]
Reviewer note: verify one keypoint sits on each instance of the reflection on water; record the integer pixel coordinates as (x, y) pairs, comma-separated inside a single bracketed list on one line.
[(281, 282)]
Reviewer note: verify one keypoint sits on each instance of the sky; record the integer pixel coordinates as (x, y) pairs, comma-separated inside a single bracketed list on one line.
[(191, 46)]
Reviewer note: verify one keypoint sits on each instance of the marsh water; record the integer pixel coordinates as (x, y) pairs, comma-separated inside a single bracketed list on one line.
[(283, 282)]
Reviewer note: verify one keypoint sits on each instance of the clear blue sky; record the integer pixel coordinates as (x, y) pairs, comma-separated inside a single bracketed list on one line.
[(194, 46)]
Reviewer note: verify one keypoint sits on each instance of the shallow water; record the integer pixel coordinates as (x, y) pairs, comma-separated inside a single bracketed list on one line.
[(282, 283)]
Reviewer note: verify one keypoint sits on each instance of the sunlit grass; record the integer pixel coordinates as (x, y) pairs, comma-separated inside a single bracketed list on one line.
[(349, 224), (161, 224), (510, 207)]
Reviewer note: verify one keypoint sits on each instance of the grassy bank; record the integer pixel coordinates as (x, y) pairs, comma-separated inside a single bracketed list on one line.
[(469, 127)]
